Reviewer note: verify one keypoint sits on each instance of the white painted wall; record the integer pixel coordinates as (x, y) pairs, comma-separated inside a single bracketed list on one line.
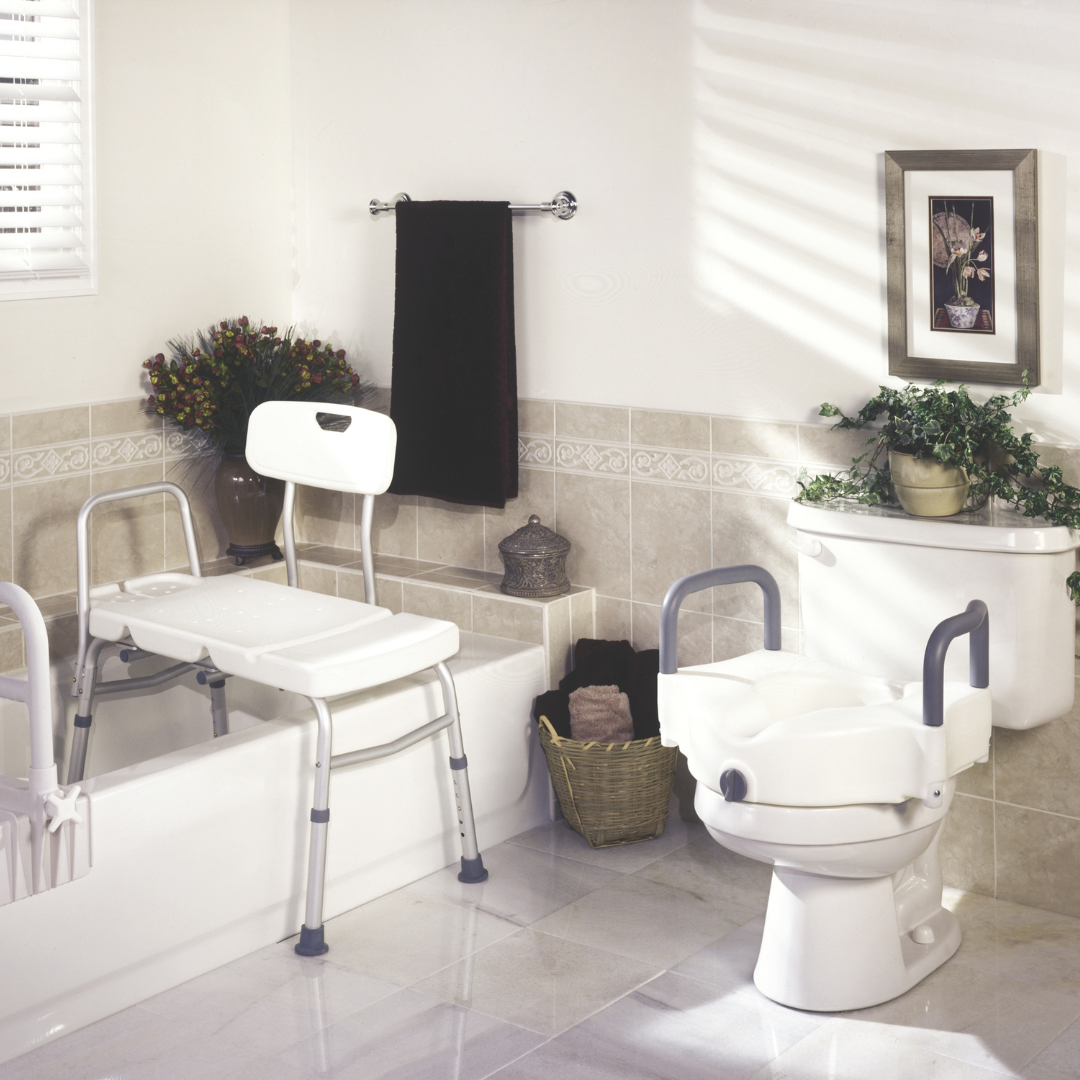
[(194, 198), (728, 256)]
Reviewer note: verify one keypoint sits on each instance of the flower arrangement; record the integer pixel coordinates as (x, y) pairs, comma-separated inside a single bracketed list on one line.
[(215, 385), (956, 251), (946, 425)]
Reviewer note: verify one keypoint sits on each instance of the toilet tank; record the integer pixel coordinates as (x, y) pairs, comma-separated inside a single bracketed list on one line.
[(874, 582)]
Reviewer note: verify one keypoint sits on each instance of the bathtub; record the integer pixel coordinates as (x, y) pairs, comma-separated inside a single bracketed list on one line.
[(198, 846)]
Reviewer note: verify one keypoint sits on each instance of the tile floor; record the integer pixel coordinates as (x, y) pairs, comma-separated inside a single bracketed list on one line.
[(630, 962)]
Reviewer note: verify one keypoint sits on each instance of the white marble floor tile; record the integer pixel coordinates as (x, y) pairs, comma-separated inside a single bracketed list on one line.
[(523, 886), (537, 981), (846, 1050), (710, 871), (403, 937), (559, 839), (642, 919), (975, 1017), (412, 1037), (1060, 1060), (132, 1045), (728, 963), (672, 1028), (229, 1002)]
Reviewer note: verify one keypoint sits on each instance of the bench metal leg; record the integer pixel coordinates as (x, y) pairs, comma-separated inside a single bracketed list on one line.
[(84, 712), (312, 942), (472, 865), (219, 711)]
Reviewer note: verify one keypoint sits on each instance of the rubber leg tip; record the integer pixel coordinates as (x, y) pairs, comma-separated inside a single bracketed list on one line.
[(311, 942), (473, 871)]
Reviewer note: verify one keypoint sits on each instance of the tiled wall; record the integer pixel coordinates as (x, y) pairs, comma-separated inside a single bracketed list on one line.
[(644, 496)]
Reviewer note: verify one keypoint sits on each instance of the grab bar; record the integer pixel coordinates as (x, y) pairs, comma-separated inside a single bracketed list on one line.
[(563, 205), (706, 579), (82, 554), (973, 620)]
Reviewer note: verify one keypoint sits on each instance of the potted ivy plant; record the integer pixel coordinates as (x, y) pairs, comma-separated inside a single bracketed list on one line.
[(938, 452), (214, 381)]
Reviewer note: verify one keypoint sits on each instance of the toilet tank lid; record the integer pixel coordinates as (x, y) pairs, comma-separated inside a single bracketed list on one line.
[(996, 528)]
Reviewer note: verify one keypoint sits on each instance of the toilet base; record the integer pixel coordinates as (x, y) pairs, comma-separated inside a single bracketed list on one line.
[(831, 944)]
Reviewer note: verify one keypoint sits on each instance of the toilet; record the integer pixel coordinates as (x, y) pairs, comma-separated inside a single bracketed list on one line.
[(838, 765)]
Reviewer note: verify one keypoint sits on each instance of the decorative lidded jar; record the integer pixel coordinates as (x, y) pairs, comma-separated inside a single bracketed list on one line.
[(535, 561)]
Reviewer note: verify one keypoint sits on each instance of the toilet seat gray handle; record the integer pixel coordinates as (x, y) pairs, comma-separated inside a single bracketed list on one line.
[(974, 620), (706, 579)]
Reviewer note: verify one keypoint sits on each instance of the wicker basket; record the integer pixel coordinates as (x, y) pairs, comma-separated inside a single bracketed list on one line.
[(611, 793)]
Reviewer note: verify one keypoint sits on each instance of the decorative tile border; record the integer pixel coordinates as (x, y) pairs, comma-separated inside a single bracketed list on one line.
[(671, 466), (183, 443), (121, 450), (48, 462), (536, 451), (752, 476), (592, 457), (5, 468)]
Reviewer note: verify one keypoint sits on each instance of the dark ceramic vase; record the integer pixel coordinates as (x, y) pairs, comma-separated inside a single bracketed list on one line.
[(250, 507)]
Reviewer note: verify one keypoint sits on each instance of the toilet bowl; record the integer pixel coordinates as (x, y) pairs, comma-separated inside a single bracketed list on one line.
[(840, 775)]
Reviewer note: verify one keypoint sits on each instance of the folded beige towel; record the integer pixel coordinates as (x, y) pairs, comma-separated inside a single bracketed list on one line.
[(600, 714)]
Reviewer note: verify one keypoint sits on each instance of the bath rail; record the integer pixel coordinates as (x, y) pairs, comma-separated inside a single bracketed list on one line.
[(563, 205), (43, 798), (973, 620), (706, 579)]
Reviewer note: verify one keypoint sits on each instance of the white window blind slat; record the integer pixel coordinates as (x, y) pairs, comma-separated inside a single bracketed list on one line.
[(46, 223)]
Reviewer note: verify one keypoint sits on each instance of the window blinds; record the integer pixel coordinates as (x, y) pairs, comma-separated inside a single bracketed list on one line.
[(46, 204)]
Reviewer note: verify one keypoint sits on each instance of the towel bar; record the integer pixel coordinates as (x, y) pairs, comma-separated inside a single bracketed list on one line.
[(563, 205)]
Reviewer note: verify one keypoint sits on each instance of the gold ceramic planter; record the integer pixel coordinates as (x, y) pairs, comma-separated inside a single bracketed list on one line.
[(926, 487)]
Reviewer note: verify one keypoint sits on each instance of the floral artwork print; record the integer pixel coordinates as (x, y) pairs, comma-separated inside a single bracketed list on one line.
[(961, 272)]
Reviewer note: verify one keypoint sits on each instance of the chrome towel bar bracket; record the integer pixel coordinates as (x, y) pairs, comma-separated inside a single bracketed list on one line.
[(563, 205)]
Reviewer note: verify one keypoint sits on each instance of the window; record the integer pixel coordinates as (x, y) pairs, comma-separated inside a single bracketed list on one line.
[(46, 167)]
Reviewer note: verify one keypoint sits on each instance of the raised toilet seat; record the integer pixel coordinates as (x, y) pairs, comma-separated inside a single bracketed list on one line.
[(841, 781)]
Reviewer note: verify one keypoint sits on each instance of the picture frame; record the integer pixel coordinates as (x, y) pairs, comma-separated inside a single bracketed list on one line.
[(963, 295)]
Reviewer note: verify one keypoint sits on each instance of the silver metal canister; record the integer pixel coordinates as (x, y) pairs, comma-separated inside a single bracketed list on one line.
[(535, 561)]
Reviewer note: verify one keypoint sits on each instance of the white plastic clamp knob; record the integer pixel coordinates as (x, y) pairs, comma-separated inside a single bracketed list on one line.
[(806, 545), (60, 808)]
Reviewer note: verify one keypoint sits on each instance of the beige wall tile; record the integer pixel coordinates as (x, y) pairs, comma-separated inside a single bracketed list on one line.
[(682, 431), (393, 527), (325, 517), (379, 400), (63, 636), (320, 579), (592, 422), (1040, 767), (821, 444), (5, 433), (593, 513), (755, 438), (450, 533), (967, 845), (11, 648), (50, 426), (559, 640), (388, 592), (536, 495), (582, 614), (1067, 458), (44, 516), (122, 417), (1038, 859), (209, 529), (127, 538), (6, 569), (752, 529), (438, 603), (735, 637), (695, 633), (536, 417), (979, 779), (614, 619), (276, 572), (499, 616), (671, 537)]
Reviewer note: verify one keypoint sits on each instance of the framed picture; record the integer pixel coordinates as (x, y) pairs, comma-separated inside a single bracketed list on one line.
[(963, 283)]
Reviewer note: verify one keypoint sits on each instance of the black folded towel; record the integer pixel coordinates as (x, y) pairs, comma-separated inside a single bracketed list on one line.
[(454, 386), (606, 663)]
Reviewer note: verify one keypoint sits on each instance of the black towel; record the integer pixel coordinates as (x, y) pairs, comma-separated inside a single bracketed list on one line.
[(454, 389)]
